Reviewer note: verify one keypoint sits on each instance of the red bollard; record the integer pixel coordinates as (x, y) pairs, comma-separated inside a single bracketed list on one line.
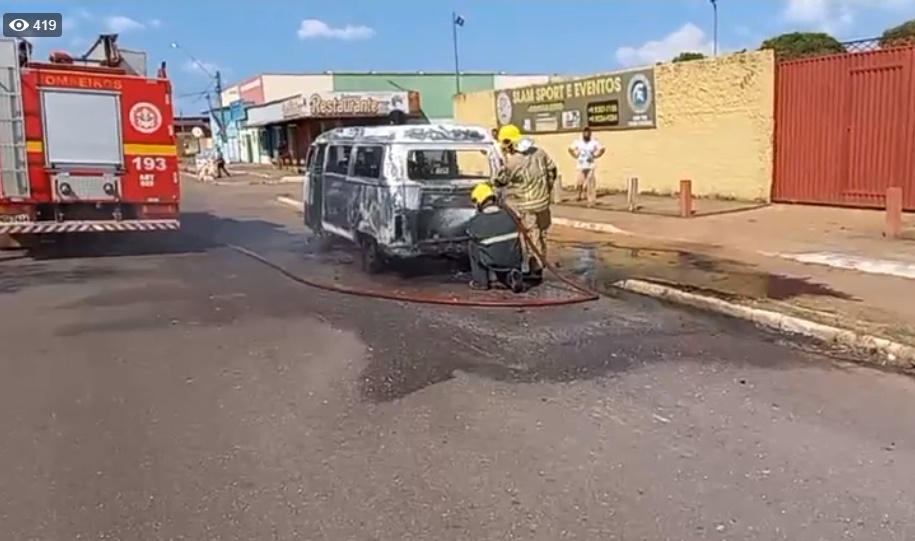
[(686, 198), (893, 227)]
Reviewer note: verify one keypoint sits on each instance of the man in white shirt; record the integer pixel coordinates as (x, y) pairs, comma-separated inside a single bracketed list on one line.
[(586, 150), (498, 145), (500, 160)]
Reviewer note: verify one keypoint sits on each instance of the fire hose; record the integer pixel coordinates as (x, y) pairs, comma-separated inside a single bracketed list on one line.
[(584, 293)]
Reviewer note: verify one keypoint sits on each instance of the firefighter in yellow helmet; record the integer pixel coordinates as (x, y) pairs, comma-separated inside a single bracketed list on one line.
[(495, 243), (531, 174)]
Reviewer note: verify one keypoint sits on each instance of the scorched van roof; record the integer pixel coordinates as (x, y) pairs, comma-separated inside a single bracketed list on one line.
[(409, 134)]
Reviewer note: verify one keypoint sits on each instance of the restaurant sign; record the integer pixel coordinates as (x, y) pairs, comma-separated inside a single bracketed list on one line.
[(615, 101), (350, 104)]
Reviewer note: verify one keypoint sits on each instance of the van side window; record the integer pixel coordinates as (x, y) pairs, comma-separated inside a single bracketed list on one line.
[(368, 161), (315, 156), (338, 159)]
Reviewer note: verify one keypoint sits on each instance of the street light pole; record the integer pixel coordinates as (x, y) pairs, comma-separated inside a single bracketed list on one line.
[(455, 22), (192, 58), (715, 26), (218, 80)]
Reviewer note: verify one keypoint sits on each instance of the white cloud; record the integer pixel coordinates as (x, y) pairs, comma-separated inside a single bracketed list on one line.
[(206, 69), (688, 37), (155, 23), (119, 24), (836, 16), (314, 29)]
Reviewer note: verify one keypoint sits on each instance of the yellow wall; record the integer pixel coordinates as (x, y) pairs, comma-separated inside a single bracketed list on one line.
[(715, 122)]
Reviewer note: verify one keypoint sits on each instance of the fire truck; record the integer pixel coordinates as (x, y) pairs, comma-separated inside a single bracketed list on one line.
[(87, 144)]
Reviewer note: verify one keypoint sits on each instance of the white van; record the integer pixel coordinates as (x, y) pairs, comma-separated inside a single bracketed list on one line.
[(397, 191)]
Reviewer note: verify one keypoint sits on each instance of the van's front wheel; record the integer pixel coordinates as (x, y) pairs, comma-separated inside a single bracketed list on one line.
[(373, 261)]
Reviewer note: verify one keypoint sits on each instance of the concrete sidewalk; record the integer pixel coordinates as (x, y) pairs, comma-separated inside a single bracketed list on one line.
[(752, 258), (773, 229)]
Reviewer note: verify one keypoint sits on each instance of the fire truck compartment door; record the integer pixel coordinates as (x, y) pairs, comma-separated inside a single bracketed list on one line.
[(82, 129)]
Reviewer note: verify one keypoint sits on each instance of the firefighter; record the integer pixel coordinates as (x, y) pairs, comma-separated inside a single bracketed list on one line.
[(532, 174), (495, 243)]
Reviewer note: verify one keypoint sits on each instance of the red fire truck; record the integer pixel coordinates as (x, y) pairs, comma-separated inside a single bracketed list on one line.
[(86, 144)]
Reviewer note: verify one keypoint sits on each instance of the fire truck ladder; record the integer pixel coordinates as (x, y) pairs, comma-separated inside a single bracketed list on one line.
[(14, 173)]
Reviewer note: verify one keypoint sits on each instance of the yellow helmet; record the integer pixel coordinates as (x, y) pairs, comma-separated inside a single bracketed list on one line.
[(509, 132), (481, 192)]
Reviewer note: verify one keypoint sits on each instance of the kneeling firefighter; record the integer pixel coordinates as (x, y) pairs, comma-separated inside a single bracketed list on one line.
[(532, 174), (495, 243)]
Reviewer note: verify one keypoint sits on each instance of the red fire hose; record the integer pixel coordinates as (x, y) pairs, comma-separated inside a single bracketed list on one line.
[(585, 294)]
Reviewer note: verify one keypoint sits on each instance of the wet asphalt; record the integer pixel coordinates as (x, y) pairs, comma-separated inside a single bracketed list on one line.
[(169, 388)]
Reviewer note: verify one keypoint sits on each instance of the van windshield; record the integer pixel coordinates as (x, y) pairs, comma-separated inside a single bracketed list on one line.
[(443, 165)]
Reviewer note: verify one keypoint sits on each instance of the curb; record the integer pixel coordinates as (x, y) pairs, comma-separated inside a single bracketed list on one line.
[(282, 180), (290, 202), (893, 354), (599, 227)]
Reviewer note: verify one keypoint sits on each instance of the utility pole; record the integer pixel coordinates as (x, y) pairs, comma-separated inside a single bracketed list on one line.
[(222, 128), (219, 87), (715, 26)]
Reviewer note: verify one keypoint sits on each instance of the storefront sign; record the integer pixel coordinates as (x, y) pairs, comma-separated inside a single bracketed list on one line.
[(350, 104), (616, 101), (293, 108)]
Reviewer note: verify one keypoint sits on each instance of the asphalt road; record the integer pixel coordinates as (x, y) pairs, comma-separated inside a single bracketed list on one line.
[(194, 394)]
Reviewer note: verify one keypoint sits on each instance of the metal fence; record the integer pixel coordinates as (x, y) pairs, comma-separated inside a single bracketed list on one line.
[(862, 46)]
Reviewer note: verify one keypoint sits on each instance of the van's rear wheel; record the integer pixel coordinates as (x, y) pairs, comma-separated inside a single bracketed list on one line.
[(373, 261)]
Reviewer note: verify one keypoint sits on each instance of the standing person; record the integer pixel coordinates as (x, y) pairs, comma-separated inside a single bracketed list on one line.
[(532, 173), (586, 150), (221, 164), (500, 159), (499, 154)]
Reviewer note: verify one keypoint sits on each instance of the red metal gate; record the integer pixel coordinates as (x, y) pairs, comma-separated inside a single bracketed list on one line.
[(845, 128)]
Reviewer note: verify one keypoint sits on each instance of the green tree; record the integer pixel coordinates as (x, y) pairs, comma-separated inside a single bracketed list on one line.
[(686, 56), (803, 44), (899, 35)]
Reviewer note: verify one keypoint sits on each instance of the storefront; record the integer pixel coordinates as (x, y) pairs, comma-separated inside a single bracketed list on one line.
[(304, 117), (259, 131)]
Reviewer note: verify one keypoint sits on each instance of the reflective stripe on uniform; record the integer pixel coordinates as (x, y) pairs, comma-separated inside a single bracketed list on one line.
[(499, 238)]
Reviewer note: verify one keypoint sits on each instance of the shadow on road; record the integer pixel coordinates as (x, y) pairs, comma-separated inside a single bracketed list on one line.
[(28, 274)]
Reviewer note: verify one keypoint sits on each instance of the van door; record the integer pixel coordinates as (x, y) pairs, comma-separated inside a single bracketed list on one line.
[(340, 195), (314, 196)]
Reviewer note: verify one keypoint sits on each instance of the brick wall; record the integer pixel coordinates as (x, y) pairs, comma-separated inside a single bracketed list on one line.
[(715, 126)]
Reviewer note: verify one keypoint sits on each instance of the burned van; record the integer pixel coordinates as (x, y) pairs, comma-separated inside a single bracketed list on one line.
[(397, 191)]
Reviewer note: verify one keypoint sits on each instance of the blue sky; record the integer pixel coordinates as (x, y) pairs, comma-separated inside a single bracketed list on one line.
[(244, 38)]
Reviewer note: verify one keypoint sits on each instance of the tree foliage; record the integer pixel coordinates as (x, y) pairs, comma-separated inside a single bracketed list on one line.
[(902, 34), (686, 56), (803, 44)]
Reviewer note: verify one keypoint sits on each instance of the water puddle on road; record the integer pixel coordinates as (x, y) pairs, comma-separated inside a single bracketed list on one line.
[(602, 263), (597, 264)]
